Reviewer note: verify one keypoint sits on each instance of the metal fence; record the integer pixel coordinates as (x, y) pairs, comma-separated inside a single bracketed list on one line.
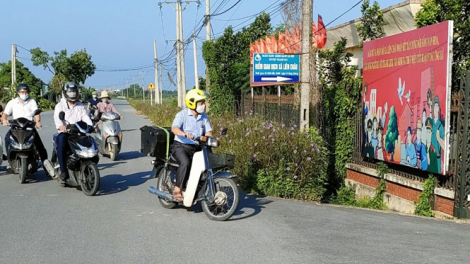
[(280, 108)]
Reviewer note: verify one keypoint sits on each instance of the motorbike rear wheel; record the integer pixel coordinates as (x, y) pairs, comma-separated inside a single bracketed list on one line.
[(90, 181), (113, 151), (164, 184), (226, 200), (22, 165)]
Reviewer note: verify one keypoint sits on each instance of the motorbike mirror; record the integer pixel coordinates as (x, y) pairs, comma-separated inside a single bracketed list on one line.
[(224, 130), (37, 112), (62, 115)]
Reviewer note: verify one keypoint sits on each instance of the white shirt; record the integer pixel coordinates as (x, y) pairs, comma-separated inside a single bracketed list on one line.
[(73, 113), (17, 109)]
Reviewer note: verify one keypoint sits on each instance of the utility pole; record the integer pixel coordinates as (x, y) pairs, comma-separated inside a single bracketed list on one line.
[(143, 84), (196, 77), (157, 101), (208, 37), (161, 85), (180, 64), (307, 6), (13, 65), (127, 89)]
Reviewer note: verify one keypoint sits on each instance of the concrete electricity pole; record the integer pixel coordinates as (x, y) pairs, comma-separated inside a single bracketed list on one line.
[(180, 70), (208, 37), (307, 6), (196, 76), (13, 65), (143, 84), (161, 85), (157, 97)]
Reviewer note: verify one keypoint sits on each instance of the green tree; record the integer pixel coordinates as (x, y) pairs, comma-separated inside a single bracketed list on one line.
[(23, 75), (75, 68), (372, 22), (228, 58), (436, 11), (392, 132)]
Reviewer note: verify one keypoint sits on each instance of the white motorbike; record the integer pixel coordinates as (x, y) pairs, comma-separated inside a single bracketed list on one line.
[(109, 139), (210, 182)]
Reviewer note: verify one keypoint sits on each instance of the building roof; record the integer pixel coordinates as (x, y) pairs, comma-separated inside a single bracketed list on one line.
[(399, 18)]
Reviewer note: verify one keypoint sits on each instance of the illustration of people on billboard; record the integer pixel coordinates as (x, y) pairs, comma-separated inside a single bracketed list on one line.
[(410, 151), (420, 146), (437, 137), (405, 98)]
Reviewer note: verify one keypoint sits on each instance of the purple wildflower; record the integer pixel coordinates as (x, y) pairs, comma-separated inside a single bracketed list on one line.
[(309, 159), (288, 169)]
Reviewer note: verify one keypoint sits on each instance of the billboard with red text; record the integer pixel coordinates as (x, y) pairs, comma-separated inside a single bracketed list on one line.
[(406, 98)]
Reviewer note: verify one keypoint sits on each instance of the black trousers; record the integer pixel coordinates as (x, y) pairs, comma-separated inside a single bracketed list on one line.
[(183, 153), (37, 142)]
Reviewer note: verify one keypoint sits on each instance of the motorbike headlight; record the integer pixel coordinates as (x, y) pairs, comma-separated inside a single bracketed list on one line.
[(85, 152), (14, 143), (29, 143)]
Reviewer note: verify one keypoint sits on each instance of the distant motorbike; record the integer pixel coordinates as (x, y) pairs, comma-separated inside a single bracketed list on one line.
[(209, 181), (81, 159), (109, 139), (22, 154)]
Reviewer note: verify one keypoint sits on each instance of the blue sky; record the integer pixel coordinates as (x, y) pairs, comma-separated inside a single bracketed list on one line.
[(119, 34)]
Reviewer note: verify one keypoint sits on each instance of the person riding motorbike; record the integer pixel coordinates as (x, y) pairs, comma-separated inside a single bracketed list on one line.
[(24, 106), (74, 112), (93, 101), (189, 123), (105, 106)]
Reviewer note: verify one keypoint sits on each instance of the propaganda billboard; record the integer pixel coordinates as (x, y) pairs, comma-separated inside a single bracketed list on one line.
[(406, 98)]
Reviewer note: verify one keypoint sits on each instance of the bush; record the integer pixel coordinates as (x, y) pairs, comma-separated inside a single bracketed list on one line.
[(45, 104), (424, 205)]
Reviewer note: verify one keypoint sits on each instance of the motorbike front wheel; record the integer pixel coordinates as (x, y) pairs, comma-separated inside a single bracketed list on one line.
[(22, 165), (113, 151), (226, 199), (164, 184), (90, 181)]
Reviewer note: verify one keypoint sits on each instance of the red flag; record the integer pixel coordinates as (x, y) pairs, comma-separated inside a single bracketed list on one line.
[(252, 50), (268, 45), (314, 32), (274, 46), (281, 43), (262, 46), (321, 33)]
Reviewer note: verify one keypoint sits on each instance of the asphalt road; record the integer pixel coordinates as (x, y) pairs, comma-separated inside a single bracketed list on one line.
[(41, 222)]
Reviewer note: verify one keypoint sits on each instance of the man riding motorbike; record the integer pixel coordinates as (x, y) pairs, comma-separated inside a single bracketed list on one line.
[(74, 112), (93, 101), (189, 123), (24, 106)]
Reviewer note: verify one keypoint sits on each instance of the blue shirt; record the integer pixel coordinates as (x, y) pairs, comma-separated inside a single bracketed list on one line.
[(186, 121)]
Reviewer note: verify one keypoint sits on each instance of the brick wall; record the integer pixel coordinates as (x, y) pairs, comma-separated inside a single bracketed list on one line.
[(441, 204)]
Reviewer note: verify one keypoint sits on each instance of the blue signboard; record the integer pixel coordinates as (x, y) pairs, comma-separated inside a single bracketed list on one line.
[(276, 68)]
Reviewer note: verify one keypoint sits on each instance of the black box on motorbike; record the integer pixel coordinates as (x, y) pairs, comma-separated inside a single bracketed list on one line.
[(156, 141)]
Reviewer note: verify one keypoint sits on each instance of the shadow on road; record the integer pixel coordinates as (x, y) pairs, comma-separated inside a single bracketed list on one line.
[(115, 183), (250, 205), (130, 155), (39, 176)]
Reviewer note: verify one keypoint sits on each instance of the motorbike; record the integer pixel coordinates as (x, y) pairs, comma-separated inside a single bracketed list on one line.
[(210, 182), (22, 154), (81, 159), (109, 139)]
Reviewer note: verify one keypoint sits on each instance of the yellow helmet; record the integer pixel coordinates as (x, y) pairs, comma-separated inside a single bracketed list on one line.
[(194, 96)]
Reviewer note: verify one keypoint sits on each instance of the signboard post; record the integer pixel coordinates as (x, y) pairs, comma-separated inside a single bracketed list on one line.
[(275, 69), (406, 98), (151, 87)]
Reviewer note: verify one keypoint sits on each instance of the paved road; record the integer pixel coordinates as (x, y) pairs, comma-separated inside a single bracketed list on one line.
[(41, 222)]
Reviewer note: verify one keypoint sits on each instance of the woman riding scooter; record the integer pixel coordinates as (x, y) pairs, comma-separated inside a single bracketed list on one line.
[(105, 106)]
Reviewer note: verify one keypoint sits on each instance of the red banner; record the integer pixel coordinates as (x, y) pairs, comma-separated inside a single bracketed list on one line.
[(406, 98)]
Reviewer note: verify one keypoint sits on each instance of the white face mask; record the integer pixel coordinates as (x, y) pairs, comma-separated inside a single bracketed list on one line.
[(94, 96), (24, 97), (200, 109), (105, 100)]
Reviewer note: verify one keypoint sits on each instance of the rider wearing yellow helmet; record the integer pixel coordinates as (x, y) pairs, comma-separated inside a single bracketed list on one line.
[(189, 123)]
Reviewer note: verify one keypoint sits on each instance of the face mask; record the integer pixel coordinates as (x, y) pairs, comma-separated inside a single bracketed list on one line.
[(24, 97), (94, 96), (105, 100), (200, 109)]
